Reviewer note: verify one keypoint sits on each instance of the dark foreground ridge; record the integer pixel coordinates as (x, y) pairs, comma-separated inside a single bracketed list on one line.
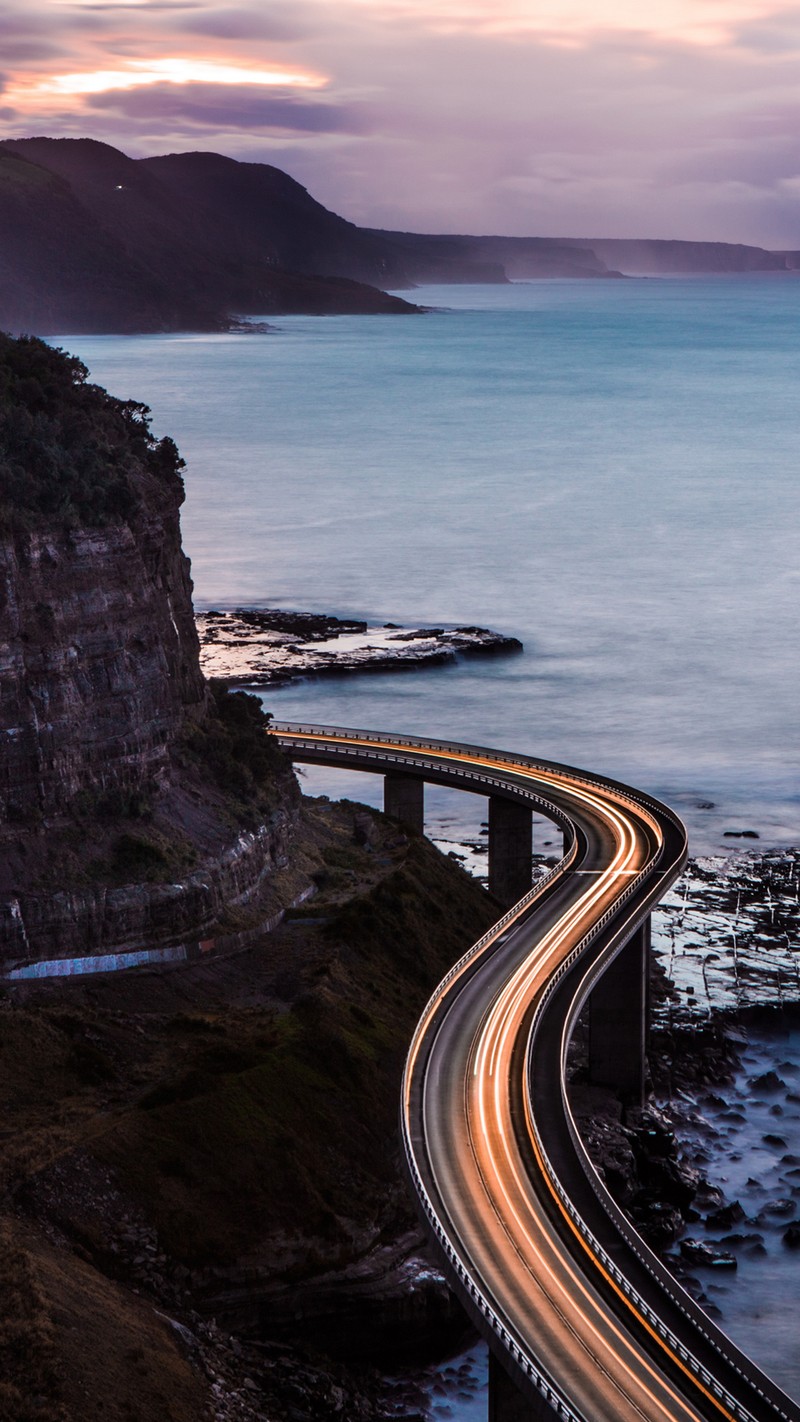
[(92, 240)]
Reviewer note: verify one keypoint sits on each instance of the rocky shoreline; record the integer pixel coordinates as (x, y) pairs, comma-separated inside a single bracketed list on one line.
[(727, 935), (273, 647), (726, 951)]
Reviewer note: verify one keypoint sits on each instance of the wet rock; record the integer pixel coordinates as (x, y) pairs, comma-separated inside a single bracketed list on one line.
[(767, 1081), (775, 1210), (702, 1253), (659, 1223), (272, 647), (751, 1243), (791, 1235), (726, 1216)]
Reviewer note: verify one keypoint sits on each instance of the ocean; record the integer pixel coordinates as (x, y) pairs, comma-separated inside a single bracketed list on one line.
[(606, 469)]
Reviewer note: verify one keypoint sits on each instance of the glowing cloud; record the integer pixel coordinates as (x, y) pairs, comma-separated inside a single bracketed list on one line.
[(175, 71)]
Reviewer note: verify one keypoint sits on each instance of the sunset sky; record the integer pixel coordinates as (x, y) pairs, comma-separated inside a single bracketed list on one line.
[(671, 118)]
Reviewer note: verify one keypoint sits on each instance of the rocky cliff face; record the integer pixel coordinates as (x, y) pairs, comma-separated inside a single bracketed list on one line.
[(134, 806), (99, 659)]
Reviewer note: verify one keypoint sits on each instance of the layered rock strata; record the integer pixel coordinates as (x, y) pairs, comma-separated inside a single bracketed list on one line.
[(136, 807), (98, 661)]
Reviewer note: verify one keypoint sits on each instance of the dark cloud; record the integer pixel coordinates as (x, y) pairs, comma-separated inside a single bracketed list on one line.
[(777, 34), (27, 51), (264, 22), (226, 106)]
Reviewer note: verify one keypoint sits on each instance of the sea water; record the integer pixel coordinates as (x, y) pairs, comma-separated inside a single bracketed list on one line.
[(606, 469)]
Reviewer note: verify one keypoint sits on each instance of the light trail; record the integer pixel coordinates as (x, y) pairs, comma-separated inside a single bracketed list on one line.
[(569, 1296)]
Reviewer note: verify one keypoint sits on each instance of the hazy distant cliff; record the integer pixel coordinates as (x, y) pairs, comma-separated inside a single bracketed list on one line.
[(91, 240), (109, 735)]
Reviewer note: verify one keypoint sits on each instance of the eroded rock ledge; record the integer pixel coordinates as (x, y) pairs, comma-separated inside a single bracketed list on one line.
[(271, 647)]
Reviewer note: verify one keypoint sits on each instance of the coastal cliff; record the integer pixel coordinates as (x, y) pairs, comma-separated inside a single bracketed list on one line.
[(187, 1150), (92, 241), (136, 804)]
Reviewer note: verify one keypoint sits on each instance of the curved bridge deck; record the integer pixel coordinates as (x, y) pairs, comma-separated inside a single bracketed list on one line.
[(583, 1317)]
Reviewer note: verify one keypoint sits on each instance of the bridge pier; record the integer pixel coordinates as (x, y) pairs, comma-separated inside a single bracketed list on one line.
[(404, 800), (508, 1404), (510, 849), (618, 1020)]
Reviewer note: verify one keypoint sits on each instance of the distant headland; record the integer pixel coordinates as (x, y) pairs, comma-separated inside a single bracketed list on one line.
[(94, 241)]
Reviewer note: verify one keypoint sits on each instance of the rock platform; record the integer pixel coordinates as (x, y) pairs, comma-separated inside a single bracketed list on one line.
[(272, 647)]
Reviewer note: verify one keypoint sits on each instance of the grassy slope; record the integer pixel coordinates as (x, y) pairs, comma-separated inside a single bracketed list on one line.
[(234, 1105), (283, 1117)]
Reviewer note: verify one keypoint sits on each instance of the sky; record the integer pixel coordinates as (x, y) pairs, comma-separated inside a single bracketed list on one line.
[(639, 118)]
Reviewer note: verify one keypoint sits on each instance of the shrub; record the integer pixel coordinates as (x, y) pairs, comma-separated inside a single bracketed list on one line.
[(70, 453)]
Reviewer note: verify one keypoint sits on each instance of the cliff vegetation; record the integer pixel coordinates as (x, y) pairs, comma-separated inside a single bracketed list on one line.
[(70, 453)]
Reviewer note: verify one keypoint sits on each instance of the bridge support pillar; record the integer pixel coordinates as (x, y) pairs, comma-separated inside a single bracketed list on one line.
[(618, 1020), (404, 799), (510, 849), (506, 1402)]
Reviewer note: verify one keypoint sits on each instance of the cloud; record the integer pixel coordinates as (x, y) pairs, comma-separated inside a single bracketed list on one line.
[(548, 117), (234, 22), (773, 35), (223, 107), (137, 73)]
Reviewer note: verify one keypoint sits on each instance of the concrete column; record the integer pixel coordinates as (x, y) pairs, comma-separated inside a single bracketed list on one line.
[(404, 799), (510, 849), (618, 1020), (506, 1402)]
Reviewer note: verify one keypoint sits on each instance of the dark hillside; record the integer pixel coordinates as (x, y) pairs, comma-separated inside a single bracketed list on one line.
[(654, 258), (91, 240), (434, 258), (220, 1141), (258, 212), (60, 270)]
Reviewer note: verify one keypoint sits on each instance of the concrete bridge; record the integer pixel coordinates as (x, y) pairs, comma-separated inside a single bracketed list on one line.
[(619, 1004), (583, 1321)]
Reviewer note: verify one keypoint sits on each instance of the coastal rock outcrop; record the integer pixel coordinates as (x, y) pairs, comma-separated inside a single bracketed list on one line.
[(271, 647)]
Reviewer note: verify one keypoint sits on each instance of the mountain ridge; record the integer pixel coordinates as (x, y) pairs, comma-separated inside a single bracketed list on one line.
[(94, 241)]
